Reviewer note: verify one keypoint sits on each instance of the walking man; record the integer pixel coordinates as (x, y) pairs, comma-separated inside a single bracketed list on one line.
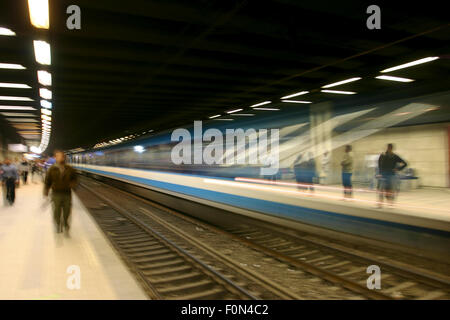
[(61, 179), (10, 177), (24, 169), (388, 165)]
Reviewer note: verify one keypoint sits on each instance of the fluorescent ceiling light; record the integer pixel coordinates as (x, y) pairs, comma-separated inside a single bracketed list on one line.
[(15, 114), (342, 82), (391, 78), (338, 92), (46, 111), (46, 104), (295, 101), (21, 120), (26, 125), (11, 66), (224, 119), (46, 122), (45, 93), (16, 108), (14, 85), (216, 116), (44, 78), (243, 114), (266, 109), (38, 10), (233, 111), (10, 98), (410, 64), (45, 117), (6, 32), (42, 52), (295, 94), (260, 104)]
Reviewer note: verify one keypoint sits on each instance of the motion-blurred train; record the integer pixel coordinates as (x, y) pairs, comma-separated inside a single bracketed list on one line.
[(415, 125)]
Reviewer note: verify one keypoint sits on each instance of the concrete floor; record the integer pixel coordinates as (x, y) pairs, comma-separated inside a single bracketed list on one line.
[(37, 263)]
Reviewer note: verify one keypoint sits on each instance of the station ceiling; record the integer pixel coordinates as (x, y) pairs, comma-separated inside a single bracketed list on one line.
[(157, 64)]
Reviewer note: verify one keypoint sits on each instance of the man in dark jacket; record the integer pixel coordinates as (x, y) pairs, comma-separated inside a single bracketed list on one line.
[(61, 178), (388, 164), (9, 178)]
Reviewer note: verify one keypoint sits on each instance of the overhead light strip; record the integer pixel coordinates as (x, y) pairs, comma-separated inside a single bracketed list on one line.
[(11, 98), (233, 111), (44, 78), (296, 101), (45, 93), (11, 66), (14, 85), (42, 52), (16, 114), (338, 92), (341, 82), (295, 94), (410, 64), (6, 32), (260, 104), (266, 109), (46, 104), (392, 78), (16, 108), (39, 16)]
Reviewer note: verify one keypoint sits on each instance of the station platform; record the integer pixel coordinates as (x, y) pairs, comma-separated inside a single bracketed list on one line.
[(432, 204), (37, 263)]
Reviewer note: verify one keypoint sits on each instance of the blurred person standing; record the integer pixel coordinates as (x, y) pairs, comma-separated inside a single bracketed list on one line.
[(388, 165), (34, 170), (10, 178), (61, 179), (16, 163), (326, 162), (347, 171), (305, 171), (24, 168), (2, 184)]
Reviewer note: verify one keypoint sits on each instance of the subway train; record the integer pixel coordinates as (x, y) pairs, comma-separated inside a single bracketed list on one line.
[(220, 168)]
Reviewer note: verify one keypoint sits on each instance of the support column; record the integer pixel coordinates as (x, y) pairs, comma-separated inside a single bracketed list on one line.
[(320, 136)]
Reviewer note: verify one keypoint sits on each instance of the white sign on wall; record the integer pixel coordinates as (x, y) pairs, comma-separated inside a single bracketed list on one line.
[(17, 148)]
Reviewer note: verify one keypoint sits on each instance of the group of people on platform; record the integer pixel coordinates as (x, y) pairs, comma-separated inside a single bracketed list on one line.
[(389, 164), (13, 173), (57, 176)]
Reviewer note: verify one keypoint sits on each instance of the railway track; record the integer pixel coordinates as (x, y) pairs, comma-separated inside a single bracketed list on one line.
[(348, 270), (341, 268), (168, 270)]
